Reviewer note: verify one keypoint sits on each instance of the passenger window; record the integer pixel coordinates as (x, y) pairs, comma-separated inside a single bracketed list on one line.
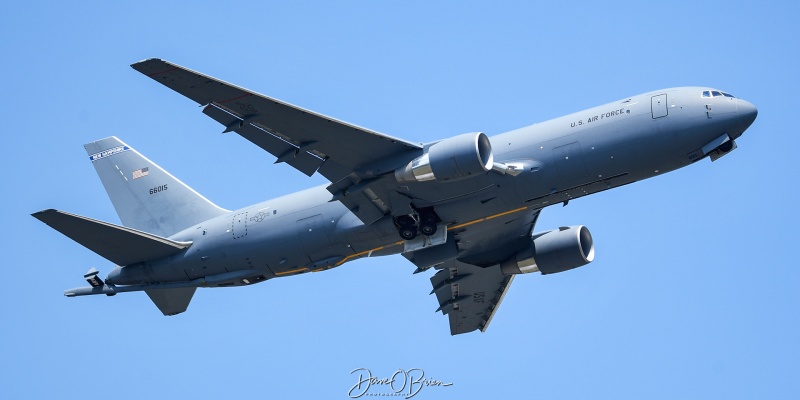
[(706, 94), (716, 93)]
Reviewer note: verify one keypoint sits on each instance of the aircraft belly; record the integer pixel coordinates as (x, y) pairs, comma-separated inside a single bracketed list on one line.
[(312, 233), (375, 241), (318, 238), (600, 158), (609, 152), (631, 146), (475, 207), (425, 194), (569, 163), (283, 252)]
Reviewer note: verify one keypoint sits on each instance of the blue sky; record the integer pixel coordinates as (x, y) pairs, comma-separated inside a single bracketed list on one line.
[(693, 292)]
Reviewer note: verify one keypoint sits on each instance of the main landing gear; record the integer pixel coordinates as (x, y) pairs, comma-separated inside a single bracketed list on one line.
[(424, 221), (406, 226)]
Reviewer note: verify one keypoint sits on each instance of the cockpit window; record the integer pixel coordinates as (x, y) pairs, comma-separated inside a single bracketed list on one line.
[(715, 93)]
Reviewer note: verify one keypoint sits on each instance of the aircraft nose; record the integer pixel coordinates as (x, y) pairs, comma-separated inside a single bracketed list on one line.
[(747, 113)]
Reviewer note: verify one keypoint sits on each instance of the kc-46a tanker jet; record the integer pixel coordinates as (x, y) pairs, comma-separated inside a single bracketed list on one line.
[(465, 206)]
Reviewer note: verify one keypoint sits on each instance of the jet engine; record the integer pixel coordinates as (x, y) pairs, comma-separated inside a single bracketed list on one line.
[(451, 159), (553, 251)]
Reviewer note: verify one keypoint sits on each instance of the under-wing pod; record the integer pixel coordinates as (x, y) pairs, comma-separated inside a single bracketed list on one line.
[(451, 159), (553, 251)]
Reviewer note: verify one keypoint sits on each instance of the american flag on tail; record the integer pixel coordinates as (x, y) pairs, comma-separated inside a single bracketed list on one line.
[(140, 173)]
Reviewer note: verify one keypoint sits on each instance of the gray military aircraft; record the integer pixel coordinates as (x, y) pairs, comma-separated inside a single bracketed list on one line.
[(465, 206)]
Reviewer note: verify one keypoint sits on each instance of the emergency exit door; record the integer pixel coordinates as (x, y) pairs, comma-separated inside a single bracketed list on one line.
[(658, 105)]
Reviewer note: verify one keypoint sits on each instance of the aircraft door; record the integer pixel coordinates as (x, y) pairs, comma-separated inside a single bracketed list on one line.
[(658, 105), (239, 225)]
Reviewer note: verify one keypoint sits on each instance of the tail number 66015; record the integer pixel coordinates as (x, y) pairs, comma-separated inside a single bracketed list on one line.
[(158, 189)]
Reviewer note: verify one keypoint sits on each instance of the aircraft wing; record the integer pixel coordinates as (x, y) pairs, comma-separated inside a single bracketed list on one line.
[(343, 153), (470, 288), (469, 295)]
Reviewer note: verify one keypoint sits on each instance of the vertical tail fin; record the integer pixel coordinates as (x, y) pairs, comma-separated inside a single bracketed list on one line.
[(145, 196)]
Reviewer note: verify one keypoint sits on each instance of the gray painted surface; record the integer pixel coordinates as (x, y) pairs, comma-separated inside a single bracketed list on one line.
[(489, 215)]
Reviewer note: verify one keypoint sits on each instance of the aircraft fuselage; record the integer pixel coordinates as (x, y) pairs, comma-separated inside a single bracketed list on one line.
[(560, 160)]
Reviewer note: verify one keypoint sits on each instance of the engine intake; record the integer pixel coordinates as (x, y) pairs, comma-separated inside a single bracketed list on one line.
[(451, 159), (553, 251)]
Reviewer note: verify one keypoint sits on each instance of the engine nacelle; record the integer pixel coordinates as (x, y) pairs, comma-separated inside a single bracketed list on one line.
[(553, 251), (451, 159)]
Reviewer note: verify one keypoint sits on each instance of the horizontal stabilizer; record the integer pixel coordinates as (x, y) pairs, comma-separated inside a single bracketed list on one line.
[(118, 244)]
